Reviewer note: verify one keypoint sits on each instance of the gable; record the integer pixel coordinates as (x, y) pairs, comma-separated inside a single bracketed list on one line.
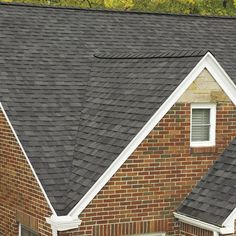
[(208, 62), (142, 195), (204, 89)]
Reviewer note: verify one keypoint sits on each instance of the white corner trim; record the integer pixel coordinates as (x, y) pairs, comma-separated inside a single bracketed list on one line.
[(63, 223), (208, 62), (31, 167), (228, 229)]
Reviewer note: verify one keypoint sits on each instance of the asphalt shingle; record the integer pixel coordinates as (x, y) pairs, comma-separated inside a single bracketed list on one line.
[(124, 91)]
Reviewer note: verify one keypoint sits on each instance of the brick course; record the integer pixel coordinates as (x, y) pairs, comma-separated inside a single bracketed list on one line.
[(189, 230)]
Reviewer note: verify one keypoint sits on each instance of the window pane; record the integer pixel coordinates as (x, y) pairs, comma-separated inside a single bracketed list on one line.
[(200, 116), (24, 232), (201, 133), (27, 232), (200, 124)]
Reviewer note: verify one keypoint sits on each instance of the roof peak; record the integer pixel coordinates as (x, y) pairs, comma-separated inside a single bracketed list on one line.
[(13, 4)]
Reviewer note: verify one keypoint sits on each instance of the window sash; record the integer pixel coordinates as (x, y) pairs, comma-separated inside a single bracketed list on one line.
[(203, 124), (24, 231)]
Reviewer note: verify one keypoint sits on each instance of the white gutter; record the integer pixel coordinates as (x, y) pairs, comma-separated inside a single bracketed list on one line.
[(62, 223), (225, 229)]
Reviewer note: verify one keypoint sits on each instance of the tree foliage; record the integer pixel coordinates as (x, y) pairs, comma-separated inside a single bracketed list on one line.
[(202, 7)]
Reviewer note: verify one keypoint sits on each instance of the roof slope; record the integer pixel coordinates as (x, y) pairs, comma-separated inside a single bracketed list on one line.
[(123, 93), (45, 62), (213, 198)]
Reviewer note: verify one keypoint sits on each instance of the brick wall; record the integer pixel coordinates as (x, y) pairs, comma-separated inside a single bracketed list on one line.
[(21, 199), (142, 195), (189, 230)]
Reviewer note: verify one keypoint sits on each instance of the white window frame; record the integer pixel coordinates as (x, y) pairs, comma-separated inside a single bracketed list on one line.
[(212, 135)]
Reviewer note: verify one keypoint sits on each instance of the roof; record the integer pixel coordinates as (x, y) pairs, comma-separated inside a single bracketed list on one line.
[(213, 198), (59, 97), (122, 96)]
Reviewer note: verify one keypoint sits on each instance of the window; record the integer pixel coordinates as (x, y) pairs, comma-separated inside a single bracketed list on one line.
[(24, 231), (203, 120)]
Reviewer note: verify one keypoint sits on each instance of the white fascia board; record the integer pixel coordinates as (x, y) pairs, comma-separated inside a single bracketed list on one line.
[(63, 223), (203, 225), (221, 77), (207, 62), (26, 157)]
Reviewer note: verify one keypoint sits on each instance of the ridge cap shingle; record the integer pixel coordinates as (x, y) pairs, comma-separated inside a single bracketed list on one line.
[(163, 54)]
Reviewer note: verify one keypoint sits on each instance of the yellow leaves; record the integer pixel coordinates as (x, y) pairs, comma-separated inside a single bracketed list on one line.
[(202, 7), (192, 2), (119, 4)]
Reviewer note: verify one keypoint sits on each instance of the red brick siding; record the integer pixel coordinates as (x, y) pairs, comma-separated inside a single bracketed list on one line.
[(20, 195), (189, 230), (142, 195)]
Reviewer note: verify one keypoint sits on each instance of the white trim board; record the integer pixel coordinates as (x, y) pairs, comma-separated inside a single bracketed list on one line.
[(207, 62), (27, 159)]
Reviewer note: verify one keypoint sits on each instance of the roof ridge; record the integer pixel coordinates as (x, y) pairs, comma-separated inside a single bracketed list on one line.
[(14, 4), (148, 55)]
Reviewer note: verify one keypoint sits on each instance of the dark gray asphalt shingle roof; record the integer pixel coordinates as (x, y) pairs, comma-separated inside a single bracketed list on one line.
[(70, 108), (213, 198), (123, 93)]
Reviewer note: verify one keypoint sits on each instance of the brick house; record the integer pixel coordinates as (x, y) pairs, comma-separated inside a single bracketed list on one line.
[(116, 123)]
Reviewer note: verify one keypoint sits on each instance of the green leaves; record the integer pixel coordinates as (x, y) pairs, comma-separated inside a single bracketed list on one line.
[(202, 7), (119, 4)]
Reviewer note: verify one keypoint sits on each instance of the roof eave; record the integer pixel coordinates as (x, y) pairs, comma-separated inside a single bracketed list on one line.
[(63, 223), (224, 229)]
